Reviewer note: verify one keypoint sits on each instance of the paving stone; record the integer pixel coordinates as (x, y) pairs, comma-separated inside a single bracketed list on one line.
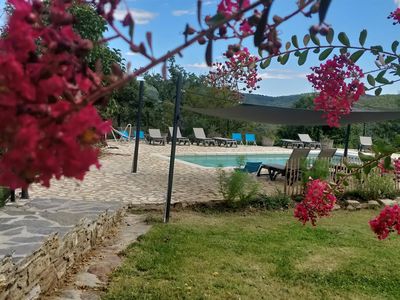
[(387, 202), (353, 204), (372, 204), (87, 280)]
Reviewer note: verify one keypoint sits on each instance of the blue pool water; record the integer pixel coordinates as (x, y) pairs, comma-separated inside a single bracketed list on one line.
[(232, 160)]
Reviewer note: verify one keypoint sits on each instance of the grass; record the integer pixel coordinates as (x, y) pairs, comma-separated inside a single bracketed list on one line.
[(259, 256)]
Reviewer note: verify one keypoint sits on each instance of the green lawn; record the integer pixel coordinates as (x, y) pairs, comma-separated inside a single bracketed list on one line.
[(260, 256)]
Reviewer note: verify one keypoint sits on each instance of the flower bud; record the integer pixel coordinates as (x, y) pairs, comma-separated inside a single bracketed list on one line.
[(277, 19), (314, 29), (202, 40)]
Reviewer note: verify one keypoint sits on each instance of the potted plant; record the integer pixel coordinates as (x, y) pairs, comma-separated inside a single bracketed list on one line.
[(326, 143)]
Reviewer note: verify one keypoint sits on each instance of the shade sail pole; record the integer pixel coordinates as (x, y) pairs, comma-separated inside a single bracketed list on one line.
[(346, 140), (173, 148), (138, 121)]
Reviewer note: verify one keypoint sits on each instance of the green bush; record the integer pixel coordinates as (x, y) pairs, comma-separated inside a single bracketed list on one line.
[(319, 170), (237, 187), (276, 201), (375, 186)]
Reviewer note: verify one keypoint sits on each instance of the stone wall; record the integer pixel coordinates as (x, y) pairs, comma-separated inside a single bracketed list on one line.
[(43, 269)]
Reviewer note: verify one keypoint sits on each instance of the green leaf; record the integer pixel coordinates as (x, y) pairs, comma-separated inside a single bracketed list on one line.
[(260, 52), (316, 50), (365, 157), (284, 58), (395, 44), (371, 79), (297, 53), (324, 54), (381, 74), (367, 169), (288, 44), (295, 42), (345, 183), (363, 37), (343, 50), (378, 91), (306, 39), (387, 163), (344, 39), (375, 50), (330, 35), (315, 40), (302, 58), (389, 59), (356, 55), (264, 64), (382, 80)]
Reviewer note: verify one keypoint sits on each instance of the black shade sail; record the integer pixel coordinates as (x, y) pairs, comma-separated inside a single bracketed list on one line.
[(291, 116)]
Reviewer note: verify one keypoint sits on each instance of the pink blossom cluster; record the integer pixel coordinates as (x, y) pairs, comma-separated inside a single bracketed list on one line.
[(396, 164), (47, 129), (241, 67), (381, 167), (318, 202), (395, 16), (228, 8), (387, 221), (339, 86)]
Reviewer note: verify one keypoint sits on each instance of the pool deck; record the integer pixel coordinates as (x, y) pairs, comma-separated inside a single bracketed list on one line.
[(114, 182)]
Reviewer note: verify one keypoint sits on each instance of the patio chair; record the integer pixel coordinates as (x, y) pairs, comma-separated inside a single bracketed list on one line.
[(292, 143), (155, 137), (327, 153), (141, 135), (237, 137), (200, 137), (225, 142), (250, 167), (365, 143), (291, 167), (179, 138), (308, 142), (250, 138)]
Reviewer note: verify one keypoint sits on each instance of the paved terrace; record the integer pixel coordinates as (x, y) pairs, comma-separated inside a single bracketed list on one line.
[(114, 181)]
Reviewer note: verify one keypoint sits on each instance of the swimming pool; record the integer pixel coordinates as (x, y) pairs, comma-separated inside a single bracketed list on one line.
[(213, 160)]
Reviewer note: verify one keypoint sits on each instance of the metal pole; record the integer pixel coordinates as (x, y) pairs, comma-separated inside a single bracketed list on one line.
[(173, 148), (346, 141), (12, 195), (24, 194), (364, 129), (137, 134)]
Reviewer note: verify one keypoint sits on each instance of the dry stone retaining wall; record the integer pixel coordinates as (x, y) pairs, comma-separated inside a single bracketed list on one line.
[(43, 269)]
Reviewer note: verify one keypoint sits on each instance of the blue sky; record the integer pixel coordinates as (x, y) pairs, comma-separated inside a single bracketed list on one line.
[(166, 20)]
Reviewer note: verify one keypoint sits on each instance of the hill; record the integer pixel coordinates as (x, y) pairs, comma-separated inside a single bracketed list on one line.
[(367, 102)]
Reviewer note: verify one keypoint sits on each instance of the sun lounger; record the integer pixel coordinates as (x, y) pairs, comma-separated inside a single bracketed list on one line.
[(200, 137), (250, 138), (292, 143), (292, 165), (365, 143), (179, 138), (308, 142), (250, 167), (155, 137), (237, 137), (327, 153), (225, 142)]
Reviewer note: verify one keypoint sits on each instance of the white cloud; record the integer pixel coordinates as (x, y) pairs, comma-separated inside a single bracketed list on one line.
[(198, 66), (282, 74), (397, 2), (140, 16), (213, 2), (182, 12)]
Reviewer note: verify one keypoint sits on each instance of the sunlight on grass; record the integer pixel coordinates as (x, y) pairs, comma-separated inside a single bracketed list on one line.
[(265, 255)]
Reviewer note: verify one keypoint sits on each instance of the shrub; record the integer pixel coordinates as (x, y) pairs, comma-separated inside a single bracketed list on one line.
[(376, 186), (237, 187), (276, 201), (4, 194), (319, 170)]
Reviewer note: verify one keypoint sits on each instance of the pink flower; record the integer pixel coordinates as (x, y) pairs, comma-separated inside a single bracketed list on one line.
[(339, 86), (228, 8), (395, 15), (318, 202), (387, 221)]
